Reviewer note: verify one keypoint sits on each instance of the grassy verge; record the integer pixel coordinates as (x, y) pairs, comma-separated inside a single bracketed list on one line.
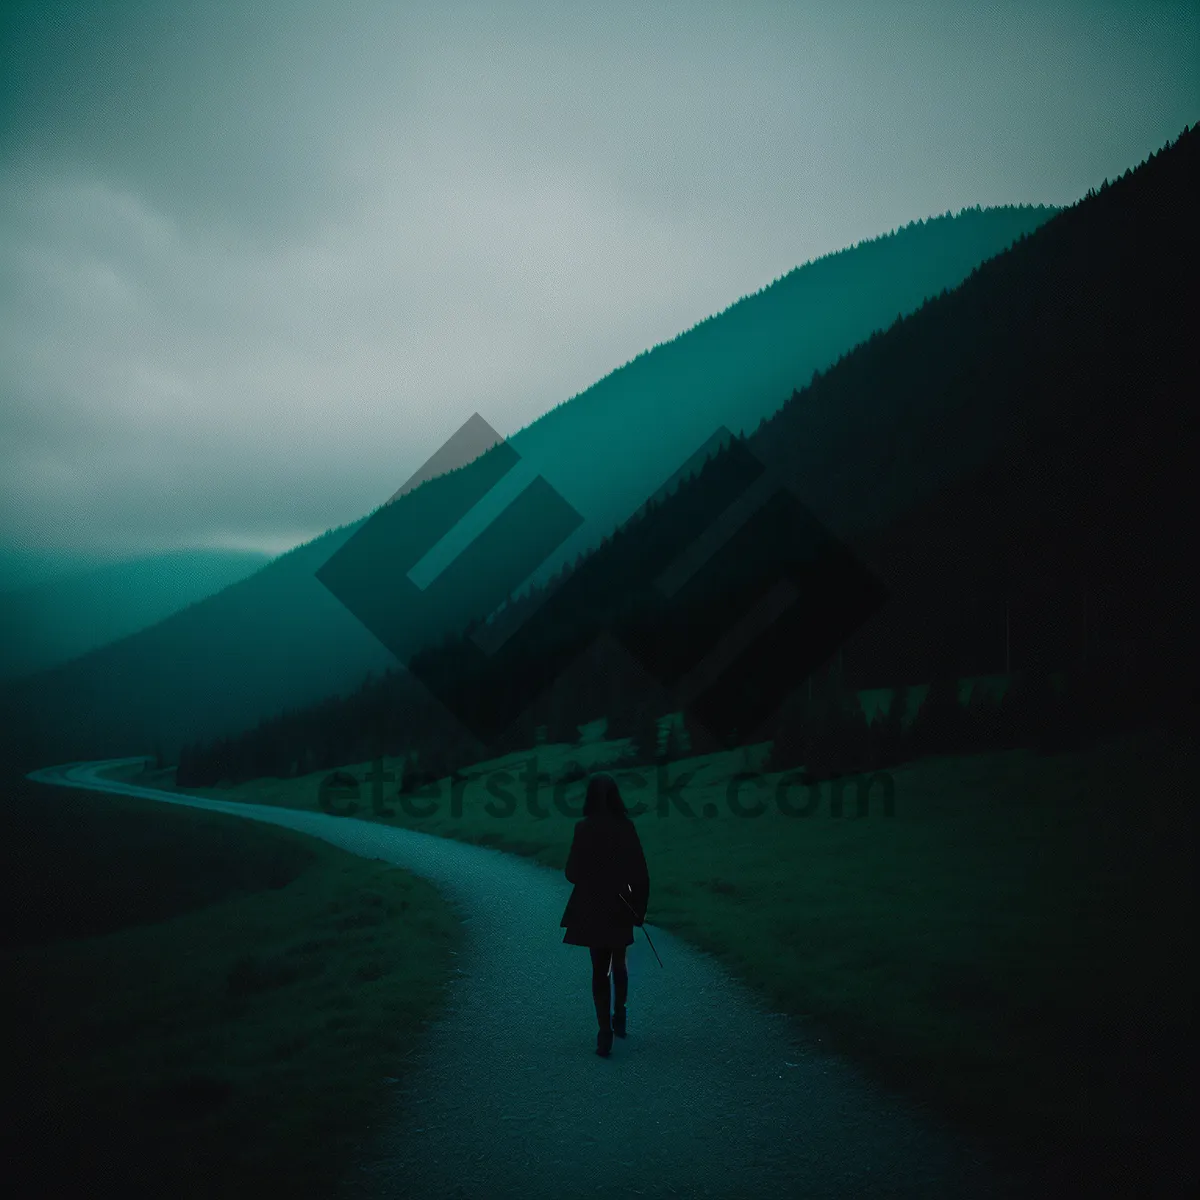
[(1014, 944), (232, 1034)]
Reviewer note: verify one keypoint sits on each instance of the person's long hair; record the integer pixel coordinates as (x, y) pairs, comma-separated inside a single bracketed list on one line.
[(604, 798)]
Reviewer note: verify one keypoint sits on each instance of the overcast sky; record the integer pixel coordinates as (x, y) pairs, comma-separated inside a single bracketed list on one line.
[(258, 260)]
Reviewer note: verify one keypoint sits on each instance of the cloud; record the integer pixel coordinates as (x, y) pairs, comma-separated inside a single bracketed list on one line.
[(176, 364), (258, 261)]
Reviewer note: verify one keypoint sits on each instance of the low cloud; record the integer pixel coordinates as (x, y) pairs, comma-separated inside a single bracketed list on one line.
[(256, 266)]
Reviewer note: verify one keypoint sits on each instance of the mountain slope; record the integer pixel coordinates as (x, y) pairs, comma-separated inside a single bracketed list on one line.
[(1025, 442), (606, 450), (1030, 439), (280, 639), (60, 619)]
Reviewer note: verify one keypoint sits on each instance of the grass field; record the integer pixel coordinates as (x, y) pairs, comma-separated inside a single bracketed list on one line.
[(1013, 944), (201, 1006)]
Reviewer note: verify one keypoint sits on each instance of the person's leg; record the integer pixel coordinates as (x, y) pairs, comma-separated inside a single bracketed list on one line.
[(601, 962), (620, 977)]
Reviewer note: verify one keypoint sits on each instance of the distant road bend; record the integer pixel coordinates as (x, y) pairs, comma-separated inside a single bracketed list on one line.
[(709, 1096)]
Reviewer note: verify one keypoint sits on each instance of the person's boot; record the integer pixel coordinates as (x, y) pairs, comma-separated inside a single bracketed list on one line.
[(604, 1040), (618, 1021)]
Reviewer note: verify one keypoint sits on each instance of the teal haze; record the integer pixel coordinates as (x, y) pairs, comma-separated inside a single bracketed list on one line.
[(288, 289), (258, 262)]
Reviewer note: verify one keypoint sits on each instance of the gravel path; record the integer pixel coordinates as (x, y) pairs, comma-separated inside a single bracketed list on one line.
[(708, 1097)]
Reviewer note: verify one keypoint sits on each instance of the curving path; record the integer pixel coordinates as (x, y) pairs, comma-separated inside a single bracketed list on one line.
[(708, 1097)]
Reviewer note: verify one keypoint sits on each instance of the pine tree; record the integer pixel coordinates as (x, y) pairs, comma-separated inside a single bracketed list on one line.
[(790, 737), (983, 728), (887, 735), (647, 742), (940, 726), (1024, 708)]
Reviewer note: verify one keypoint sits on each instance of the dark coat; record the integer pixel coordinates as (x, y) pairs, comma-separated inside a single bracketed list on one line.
[(606, 861)]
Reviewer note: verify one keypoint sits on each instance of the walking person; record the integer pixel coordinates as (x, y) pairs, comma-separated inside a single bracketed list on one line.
[(612, 890)]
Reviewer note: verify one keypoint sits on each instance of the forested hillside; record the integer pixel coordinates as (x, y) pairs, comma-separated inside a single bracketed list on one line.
[(1018, 448), (279, 639)]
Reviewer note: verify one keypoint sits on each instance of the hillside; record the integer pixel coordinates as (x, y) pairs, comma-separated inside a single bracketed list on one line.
[(216, 664), (1025, 439), (610, 447), (279, 639), (60, 619), (1023, 442)]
